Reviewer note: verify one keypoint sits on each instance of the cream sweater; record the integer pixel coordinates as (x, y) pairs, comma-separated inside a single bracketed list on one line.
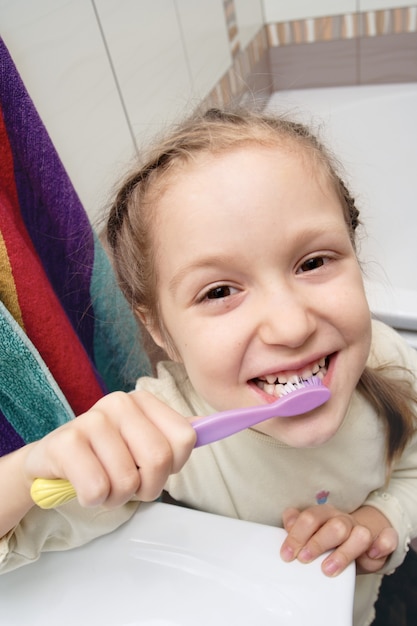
[(254, 477)]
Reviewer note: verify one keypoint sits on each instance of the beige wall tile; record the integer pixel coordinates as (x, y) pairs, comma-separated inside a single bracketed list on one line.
[(280, 11), (249, 18), (58, 50), (206, 44), (145, 43), (374, 5)]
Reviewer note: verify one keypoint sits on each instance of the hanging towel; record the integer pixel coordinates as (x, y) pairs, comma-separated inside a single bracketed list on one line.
[(67, 334)]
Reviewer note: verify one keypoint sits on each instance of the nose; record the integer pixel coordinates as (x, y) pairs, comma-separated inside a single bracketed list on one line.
[(286, 318)]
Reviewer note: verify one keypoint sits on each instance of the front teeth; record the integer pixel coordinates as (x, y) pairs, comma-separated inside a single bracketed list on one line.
[(316, 370), (279, 386), (270, 380)]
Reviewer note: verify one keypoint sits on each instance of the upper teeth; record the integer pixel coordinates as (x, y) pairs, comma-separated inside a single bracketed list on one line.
[(293, 378), (274, 384)]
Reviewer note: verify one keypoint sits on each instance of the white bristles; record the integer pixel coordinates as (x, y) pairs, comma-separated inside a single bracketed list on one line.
[(289, 387)]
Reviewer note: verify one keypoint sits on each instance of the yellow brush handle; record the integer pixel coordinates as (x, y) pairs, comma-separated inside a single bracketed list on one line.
[(48, 493)]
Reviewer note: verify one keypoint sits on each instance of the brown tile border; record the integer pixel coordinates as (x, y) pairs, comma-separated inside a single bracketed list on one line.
[(388, 59), (352, 49), (363, 60), (231, 25), (248, 77), (310, 65), (347, 26)]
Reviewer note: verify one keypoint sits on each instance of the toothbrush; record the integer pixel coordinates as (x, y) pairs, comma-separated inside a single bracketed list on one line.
[(299, 398)]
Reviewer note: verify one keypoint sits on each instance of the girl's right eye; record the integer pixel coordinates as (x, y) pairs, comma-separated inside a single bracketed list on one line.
[(217, 295), (222, 291)]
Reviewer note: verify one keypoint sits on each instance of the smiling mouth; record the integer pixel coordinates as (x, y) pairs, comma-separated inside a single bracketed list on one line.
[(278, 385)]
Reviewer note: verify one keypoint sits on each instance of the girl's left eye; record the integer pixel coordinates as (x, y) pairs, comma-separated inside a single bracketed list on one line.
[(312, 263)]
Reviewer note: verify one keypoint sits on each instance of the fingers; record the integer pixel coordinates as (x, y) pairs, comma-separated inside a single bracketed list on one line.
[(116, 476), (381, 548), (370, 555), (314, 531), (356, 543), (174, 427), (322, 529), (127, 444), (160, 440), (67, 453), (157, 441), (289, 517)]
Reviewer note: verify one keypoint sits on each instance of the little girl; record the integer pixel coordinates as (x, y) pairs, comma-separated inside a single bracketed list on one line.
[(235, 245)]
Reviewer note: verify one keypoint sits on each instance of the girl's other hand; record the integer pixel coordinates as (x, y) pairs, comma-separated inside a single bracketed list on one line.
[(365, 536), (126, 445)]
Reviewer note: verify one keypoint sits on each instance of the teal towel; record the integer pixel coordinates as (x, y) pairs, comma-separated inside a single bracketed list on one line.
[(29, 396)]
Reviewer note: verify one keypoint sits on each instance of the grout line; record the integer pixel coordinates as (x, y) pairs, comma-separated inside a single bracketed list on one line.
[(184, 47), (113, 71), (358, 46)]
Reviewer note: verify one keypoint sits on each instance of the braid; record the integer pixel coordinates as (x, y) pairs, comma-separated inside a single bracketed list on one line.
[(351, 206), (119, 209), (121, 204)]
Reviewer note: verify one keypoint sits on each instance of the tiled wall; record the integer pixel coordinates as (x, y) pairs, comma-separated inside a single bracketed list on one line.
[(343, 26), (106, 75), (365, 46), (281, 11), (248, 76)]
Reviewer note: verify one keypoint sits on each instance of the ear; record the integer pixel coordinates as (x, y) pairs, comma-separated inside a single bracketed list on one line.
[(151, 327), (157, 335)]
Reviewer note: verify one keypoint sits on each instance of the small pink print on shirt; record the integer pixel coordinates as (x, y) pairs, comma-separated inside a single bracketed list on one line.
[(321, 496)]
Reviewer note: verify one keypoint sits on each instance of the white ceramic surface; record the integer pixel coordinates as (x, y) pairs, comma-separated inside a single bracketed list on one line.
[(170, 566), (373, 130)]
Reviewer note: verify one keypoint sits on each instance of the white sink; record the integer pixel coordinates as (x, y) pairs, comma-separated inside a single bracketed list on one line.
[(173, 566)]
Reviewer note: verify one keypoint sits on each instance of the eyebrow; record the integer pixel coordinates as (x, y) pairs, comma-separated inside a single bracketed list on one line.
[(206, 263)]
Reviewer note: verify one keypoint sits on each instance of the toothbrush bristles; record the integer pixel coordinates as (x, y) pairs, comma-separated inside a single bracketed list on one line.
[(300, 383), (313, 380)]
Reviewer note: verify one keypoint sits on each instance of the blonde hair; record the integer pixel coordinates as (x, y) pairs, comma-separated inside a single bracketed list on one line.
[(132, 219)]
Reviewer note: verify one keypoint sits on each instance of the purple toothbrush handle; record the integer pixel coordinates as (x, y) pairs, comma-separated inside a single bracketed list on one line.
[(220, 425)]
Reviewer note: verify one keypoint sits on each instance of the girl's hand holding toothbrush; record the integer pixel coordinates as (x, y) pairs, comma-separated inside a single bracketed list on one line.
[(169, 443), (126, 445), (365, 536)]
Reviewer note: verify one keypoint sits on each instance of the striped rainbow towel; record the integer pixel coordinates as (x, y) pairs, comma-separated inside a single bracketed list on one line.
[(67, 335)]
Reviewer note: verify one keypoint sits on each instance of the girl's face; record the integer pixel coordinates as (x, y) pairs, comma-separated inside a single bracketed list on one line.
[(258, 282)]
